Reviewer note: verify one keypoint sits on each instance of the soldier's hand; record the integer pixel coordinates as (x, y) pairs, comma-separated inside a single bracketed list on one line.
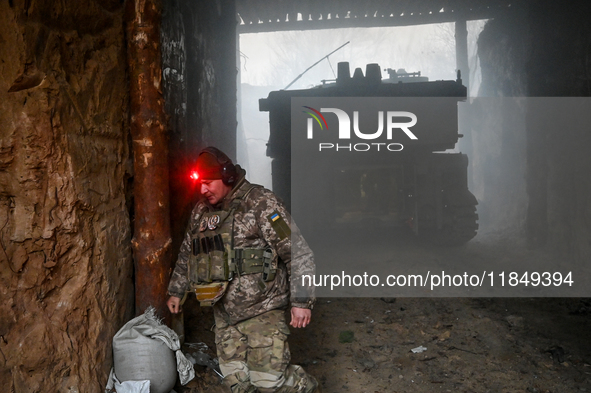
[(174, 304), (300, 317)]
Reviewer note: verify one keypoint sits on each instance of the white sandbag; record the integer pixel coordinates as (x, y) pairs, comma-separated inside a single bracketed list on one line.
[(137, 358), (144, 349)]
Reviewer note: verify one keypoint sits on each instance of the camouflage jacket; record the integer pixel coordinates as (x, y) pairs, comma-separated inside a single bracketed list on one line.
[(244, 297)]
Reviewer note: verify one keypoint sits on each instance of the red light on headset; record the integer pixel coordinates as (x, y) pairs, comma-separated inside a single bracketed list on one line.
[(194, 175)]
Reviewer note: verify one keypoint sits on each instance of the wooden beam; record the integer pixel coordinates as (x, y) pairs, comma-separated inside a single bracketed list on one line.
[(404, 13), (151, 242), (461, 35), (370, 21)]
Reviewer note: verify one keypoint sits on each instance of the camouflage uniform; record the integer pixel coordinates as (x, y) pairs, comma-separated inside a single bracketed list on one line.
[(251, 330)]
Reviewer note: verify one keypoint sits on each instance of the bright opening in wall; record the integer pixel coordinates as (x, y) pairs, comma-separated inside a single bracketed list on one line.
[(271, 61)]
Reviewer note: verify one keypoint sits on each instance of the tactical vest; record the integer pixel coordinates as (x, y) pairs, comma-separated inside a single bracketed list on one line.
[(214, 261)]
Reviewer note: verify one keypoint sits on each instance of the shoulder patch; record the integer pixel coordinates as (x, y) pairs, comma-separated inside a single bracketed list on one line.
[(279, 225), (203, 224)]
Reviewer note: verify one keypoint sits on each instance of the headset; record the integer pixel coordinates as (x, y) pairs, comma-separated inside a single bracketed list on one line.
[(228, 168)]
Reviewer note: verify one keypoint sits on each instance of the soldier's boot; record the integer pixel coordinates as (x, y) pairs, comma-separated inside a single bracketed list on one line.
[(318, 388), (239, 383), (313, 385)]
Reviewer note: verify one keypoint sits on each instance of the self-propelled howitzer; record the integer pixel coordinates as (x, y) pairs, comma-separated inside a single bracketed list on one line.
[(381, 182)]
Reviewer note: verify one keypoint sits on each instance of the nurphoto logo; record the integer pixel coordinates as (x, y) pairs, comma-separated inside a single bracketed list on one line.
[(395, 121)]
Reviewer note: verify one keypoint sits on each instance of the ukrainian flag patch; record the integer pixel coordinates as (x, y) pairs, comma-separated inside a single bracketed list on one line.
[(279, 225)]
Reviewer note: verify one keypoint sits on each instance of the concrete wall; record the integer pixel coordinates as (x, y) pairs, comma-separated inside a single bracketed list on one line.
[(494, 128), (559, 159), (539, 169)]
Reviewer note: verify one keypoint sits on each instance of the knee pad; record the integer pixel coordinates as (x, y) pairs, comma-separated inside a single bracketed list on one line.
[(236, 377)]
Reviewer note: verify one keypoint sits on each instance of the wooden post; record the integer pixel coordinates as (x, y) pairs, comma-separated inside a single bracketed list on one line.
[(152, 240), (461, 34)]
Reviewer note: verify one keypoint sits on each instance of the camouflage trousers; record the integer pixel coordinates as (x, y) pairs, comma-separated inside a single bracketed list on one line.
[(254, 357)]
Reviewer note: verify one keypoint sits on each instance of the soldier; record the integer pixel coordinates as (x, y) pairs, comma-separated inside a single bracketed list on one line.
[(239, 251)]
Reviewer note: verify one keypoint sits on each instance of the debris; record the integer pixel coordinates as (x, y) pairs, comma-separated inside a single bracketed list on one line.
[(418, 349), (445, 335), (346, 336), (515, 321), (557, 354), (464, 350), (203, 359), (584, 308), (367, 364), (201, 347), (428, 359)]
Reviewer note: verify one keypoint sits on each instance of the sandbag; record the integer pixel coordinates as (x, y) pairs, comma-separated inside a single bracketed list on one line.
[(144, 349), (137, 358)]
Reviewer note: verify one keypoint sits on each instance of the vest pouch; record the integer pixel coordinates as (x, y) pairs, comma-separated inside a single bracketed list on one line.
[(198, 270), (192, 273), (205, 268), (218, 266)]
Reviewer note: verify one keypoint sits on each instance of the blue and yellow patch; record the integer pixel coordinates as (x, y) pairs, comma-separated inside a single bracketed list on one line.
[(279, 225)]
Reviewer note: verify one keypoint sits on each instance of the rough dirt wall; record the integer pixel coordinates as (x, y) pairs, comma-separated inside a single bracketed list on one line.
[(199, 84), (544, 52), (65, 261)]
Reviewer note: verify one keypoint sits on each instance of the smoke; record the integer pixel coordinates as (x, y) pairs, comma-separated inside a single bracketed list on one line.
[(270, 61)]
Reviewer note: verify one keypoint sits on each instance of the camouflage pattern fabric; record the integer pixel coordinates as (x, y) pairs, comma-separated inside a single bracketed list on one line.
[(249, 295), (254, 357)]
